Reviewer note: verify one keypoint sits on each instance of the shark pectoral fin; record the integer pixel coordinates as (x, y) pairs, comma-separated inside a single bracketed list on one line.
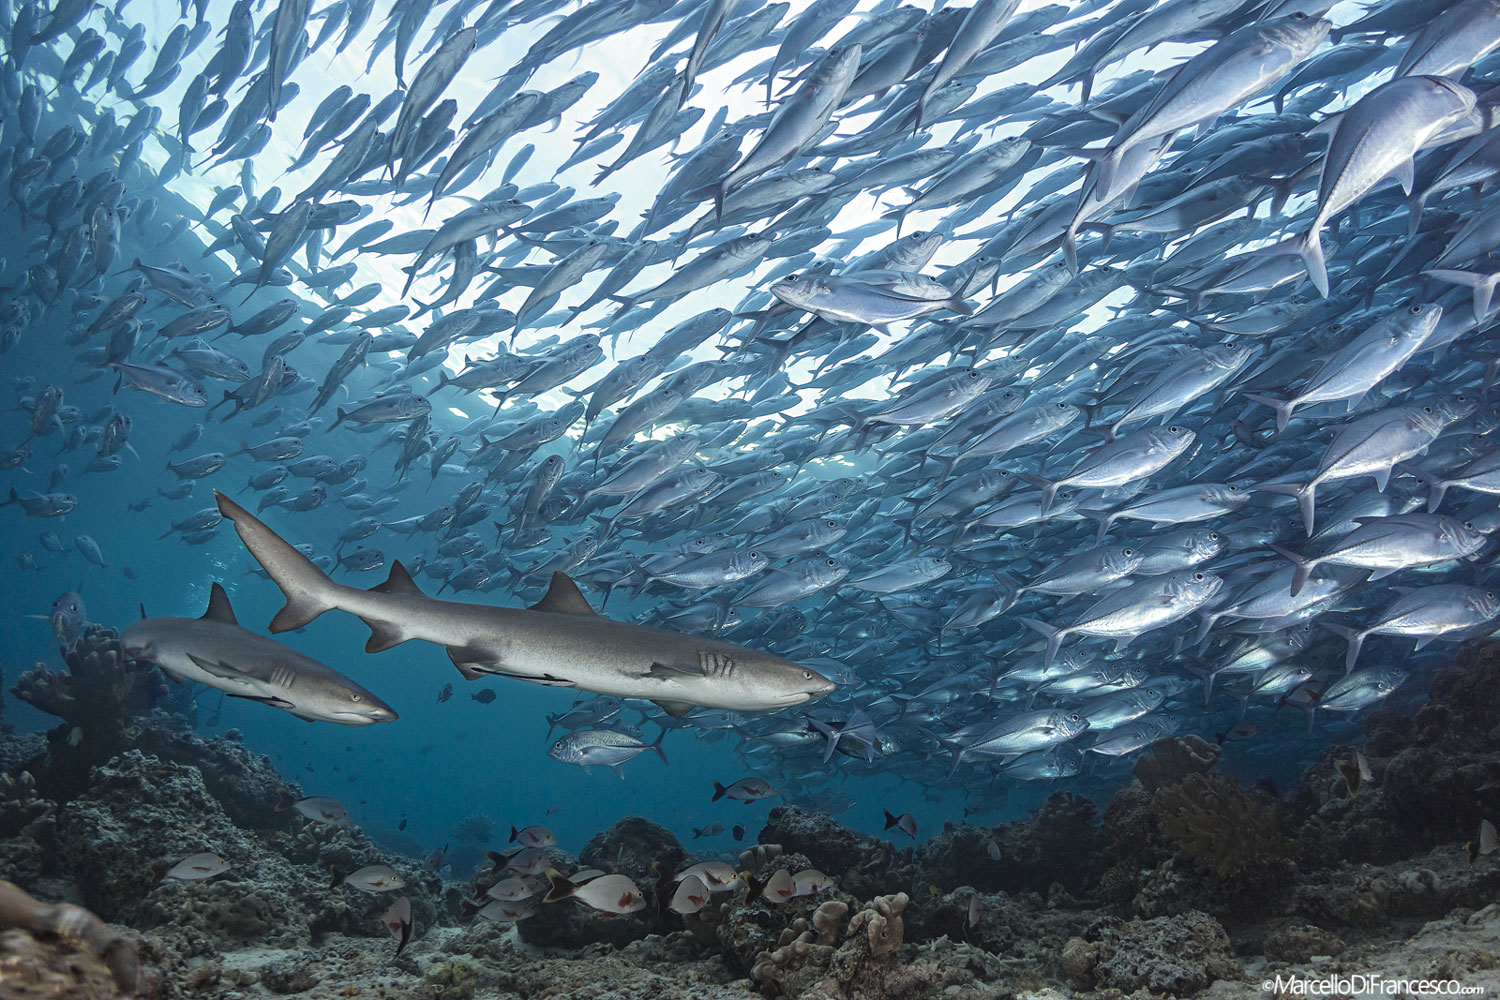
[(271, 700), (174, 678), (469, 661), (216, 668), (676, 709), (564, 597), (383, 635), (667, 671)]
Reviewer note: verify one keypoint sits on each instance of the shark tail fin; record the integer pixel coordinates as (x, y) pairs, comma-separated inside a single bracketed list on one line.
[(307, 589)]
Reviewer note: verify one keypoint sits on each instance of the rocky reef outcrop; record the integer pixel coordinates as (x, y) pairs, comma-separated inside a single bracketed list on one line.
[(99, 697), (1185, 879)]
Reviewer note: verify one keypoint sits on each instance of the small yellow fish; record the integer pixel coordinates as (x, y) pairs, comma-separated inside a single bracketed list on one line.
[(934, 890)]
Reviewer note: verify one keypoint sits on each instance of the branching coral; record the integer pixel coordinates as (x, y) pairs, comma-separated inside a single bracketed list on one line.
[(310, 841), (1171, 760), (882, 924), (1217, 826), (805, 937), (19, 805), (757, 858), (99, 695)]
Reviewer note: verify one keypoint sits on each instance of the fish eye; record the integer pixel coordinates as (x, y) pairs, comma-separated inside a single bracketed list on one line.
[(1197, 576), (73, 606), (1127, 552), (1299, 16), (1174, 429), (1426, 409), (807, 675), (1234, 489), (1415, 310), (833, 562), (1469, 525), (1062, 406)]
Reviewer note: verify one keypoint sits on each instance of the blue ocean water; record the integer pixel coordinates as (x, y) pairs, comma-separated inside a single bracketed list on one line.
[(441, 762)]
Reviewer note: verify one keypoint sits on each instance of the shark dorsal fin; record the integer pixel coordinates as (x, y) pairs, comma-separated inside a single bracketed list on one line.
[(399, 582), (218, 607), (563, 597)]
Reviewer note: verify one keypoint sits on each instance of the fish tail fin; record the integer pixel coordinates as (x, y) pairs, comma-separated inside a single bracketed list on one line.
[(1354, 637), (656, 745), (1435, 497), (514, 833), (1048, 488), (558, 887), (1105, 518), (890, 820), (1283, 408), (1070, 248), (1482, 284), (1304, 566), (338, 879), (1303, 492), (1310, 249), (1053, 635), (307, 589), (756, 888), (284, 799), (719, 791)]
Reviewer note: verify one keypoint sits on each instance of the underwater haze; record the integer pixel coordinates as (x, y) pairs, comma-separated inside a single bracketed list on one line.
[(776, 489)]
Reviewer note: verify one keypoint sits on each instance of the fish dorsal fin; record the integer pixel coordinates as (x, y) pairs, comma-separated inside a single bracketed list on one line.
[(218, 607), (398, 582), (564, 598)]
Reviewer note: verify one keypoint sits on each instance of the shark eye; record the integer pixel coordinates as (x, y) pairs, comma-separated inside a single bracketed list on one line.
[(807, 675), (355, 698)]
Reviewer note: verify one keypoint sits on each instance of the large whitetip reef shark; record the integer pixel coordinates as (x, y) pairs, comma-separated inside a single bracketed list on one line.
[(215, 650), (559, 641)]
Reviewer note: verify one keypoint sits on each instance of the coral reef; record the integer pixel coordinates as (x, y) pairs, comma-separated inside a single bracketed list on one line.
[(1058, 844), (1186, 880), (20, 807), (1169, 761), (1217, 826), (98, 698), (862, 865), (631, 846), (1176, 956)]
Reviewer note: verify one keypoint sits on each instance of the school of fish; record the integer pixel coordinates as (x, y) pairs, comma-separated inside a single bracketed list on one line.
[(936, 413)]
